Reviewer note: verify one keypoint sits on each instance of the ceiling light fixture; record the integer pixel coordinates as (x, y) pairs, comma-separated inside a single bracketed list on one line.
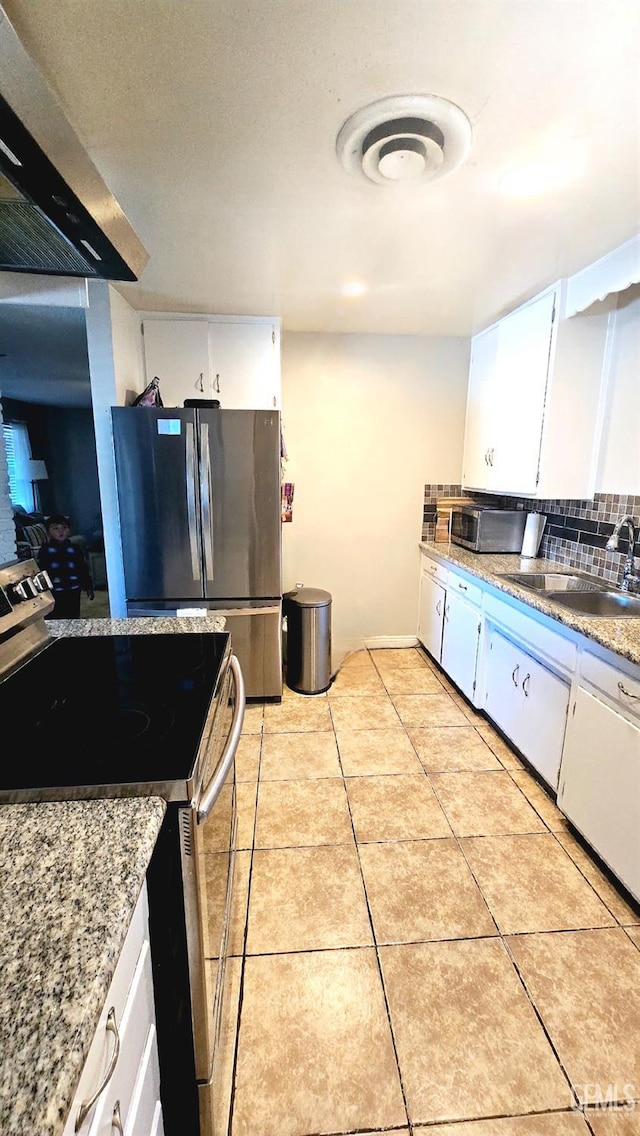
[(404, 138), (353, 288)]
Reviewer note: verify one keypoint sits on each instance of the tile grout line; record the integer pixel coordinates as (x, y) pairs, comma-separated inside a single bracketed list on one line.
[(375, 943), (234, 1064)]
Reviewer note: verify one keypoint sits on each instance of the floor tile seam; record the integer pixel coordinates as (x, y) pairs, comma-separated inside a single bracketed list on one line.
[(530, 802), (458, 840), (424, 1127), (538, 1014), (627, 928), (528, 835), (477, 835), (380, 975), (592, 886), (238, 1023)]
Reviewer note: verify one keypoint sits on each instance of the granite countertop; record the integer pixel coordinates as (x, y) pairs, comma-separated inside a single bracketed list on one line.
[(71, 874), (145, 625), (619, 635)]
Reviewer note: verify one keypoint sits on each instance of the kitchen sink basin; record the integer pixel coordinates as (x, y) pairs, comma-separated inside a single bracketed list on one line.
[(600, 603), (558, 581), (584, 594)]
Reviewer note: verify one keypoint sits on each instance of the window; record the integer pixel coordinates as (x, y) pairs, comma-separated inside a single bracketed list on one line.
[(18, 450)]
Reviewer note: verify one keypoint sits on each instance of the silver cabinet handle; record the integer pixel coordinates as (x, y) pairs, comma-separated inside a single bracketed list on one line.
[(491, 453), (629, 693), (116, 1119), (486, 457), (87, 1105), (525, 680), (514, 674), (463, 587), (439, 607)]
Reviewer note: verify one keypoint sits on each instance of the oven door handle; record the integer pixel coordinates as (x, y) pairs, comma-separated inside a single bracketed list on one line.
[(210, 792)]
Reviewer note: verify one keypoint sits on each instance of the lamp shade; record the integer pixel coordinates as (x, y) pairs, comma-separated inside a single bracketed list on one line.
[(37, 470)]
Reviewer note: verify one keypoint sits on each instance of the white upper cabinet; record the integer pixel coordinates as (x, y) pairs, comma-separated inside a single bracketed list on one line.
[(506, 401), (535, 386), (235, 361), (177, 352)]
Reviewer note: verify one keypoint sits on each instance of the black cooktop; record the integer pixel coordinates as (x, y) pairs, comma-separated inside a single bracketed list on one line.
[(123, 710)]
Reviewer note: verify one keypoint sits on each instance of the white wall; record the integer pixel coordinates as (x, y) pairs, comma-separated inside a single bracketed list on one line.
[(115, 367), (368, 421), (619, 465)]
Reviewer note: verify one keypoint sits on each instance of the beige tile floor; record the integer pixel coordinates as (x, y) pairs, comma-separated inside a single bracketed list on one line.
[(421, 947)]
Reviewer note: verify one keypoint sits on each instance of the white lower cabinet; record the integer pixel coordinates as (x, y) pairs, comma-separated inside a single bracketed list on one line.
[(119, 1088), (431, 609), (600, 779), (460, 639), (528, 702)]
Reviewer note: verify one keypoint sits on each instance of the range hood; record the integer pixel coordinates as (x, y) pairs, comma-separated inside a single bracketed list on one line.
[(57, 216)]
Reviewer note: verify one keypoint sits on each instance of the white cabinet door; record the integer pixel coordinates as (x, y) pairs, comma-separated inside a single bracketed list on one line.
[(245, 365), (177, 351), (460, 642), (528, 702), (600, 785), (236, 362), (506, 400), (480, 403), (524, 343), (431, 614), (129, 1015)]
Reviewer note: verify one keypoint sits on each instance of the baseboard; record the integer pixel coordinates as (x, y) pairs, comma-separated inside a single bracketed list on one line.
[(380, 641)]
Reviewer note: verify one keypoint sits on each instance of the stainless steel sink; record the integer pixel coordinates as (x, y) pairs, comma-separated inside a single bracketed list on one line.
[(603, 603), (558, 581), (584, 594)]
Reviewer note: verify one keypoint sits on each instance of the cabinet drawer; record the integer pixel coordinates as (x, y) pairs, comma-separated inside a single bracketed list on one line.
[(434, 569), (471, 592), (137, 1033), (549, 644), (621, 688), (117, 998)]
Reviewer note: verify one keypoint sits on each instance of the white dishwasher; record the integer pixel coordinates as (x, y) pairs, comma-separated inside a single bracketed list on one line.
[(599, 787)]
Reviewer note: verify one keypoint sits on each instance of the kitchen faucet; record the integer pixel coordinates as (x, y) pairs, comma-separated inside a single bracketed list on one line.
[(630, 578)]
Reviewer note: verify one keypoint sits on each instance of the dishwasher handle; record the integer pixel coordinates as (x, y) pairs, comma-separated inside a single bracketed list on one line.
[(211, 791)]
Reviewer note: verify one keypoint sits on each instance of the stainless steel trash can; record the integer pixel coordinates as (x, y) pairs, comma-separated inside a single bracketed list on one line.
[(308, 612)]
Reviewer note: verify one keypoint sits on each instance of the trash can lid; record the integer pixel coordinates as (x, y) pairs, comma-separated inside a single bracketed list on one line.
[(309, 597)]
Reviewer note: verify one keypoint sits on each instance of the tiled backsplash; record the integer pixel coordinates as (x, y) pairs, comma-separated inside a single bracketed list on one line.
[(576, 531)]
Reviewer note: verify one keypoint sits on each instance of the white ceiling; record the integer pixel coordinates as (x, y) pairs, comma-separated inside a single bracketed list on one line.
[(214, 123)]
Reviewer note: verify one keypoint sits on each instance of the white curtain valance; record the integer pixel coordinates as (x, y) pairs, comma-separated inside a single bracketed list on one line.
[(614, 272)]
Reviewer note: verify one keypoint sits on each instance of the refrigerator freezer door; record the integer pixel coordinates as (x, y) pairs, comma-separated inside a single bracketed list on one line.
[(240, 493), (158, 496)]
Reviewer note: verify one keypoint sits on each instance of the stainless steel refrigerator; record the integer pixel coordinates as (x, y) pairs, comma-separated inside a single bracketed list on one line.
[(200, 517)]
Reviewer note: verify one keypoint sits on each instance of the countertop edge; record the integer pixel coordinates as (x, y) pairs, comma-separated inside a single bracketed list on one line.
[(57, 967), (618, 636)]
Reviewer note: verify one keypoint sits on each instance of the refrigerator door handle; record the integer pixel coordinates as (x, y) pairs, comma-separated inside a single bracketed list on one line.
[(206, 497), (190, 441)]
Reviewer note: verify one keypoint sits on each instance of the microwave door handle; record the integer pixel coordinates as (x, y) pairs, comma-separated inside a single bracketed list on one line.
[(211, 791), (206, 496), (190, 447)]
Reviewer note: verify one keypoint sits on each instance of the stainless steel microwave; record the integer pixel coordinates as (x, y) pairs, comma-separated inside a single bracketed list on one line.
[(482, 528)]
